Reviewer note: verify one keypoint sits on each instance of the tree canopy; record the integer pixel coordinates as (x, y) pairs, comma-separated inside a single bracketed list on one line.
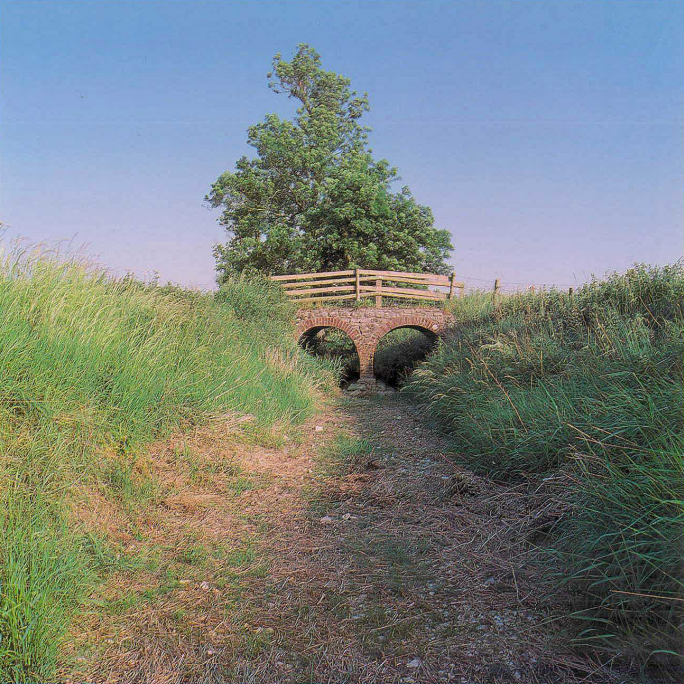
[(313, 198)]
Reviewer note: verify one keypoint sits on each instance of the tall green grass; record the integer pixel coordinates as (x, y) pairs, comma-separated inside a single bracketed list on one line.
[(92, 369), (590, 383)]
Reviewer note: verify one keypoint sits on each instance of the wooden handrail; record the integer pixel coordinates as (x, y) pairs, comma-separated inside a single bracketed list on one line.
[(417, 294), (442, 280), (300, 276), (361, 282)]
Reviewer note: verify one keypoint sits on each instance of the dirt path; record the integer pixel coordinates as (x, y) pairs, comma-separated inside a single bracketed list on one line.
[(405, 567), (358, 552)]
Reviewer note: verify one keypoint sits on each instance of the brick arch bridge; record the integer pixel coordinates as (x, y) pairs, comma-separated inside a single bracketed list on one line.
[(366, 326)]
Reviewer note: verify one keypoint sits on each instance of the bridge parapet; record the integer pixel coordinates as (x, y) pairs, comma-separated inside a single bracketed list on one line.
[(366, 326)]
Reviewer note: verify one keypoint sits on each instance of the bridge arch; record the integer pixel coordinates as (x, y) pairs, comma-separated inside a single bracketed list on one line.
[(422, 323), (366, 326), (310, 327), (429, 328)]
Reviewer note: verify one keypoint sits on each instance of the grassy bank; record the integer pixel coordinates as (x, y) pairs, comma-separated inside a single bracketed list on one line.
[(589, 385), (92, 369)]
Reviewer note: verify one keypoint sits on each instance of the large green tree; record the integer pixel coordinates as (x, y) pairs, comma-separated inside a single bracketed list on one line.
[(313, 198)]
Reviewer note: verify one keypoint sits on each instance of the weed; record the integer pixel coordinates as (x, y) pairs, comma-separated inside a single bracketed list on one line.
[(195, 554), (345, 454)]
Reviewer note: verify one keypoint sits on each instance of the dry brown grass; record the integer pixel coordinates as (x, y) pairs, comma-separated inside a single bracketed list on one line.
[(258, 561)]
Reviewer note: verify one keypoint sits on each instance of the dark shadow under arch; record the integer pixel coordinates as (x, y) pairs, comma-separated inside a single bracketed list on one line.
[(315, 343), (392, 362)]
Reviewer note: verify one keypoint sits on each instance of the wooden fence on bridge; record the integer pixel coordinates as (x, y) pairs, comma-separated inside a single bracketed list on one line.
[(361, 283)]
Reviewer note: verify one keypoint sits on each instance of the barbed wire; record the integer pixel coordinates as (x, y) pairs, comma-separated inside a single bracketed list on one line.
[(505, 283)]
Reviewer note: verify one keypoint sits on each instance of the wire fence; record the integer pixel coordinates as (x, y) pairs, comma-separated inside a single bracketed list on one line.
[(511, 287)]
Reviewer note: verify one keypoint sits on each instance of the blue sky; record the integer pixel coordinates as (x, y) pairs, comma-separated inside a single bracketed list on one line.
[(547, 136)]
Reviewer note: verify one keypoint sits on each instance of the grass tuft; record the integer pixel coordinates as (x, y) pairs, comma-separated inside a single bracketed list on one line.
[(91, 370), (590, 383)]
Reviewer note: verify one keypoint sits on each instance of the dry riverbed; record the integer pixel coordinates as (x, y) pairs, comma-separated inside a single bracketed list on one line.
[(354, 549)]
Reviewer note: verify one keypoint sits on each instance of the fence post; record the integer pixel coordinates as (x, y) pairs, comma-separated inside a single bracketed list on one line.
[(358, 288), (378, 297), (570, 292), (496, 289), (451, 285)]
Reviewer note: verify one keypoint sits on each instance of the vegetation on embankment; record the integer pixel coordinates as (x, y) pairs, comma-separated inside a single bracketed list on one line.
[(588, 385), (91, 370)]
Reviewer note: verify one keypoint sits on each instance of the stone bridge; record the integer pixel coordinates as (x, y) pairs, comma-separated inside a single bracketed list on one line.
[(366, 326)]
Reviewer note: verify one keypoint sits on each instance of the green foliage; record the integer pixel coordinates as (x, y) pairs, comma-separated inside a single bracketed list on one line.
[(92, 369), (253, 298), (336, 349), (314, 199), (43, 569), (621, 553), (590, 383), (399, 352)]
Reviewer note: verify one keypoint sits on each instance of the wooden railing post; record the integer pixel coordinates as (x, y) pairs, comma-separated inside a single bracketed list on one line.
[(357, 283), (451, 285), (496, 289)]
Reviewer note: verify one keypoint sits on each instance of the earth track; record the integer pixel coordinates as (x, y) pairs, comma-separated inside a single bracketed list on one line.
[(405, 567), (368, 555)]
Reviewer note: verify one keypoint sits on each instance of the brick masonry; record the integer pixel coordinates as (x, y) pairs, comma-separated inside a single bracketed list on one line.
[(366, 326)]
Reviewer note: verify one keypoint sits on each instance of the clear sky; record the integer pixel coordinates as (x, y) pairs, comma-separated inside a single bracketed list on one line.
[(547, 136)]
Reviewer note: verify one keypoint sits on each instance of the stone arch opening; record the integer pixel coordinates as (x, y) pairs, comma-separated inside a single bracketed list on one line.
[(399, 349), (366, 326), (331, 341)]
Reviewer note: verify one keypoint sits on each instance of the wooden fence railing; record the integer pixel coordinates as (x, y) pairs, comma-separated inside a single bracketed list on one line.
[(360, 283)]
